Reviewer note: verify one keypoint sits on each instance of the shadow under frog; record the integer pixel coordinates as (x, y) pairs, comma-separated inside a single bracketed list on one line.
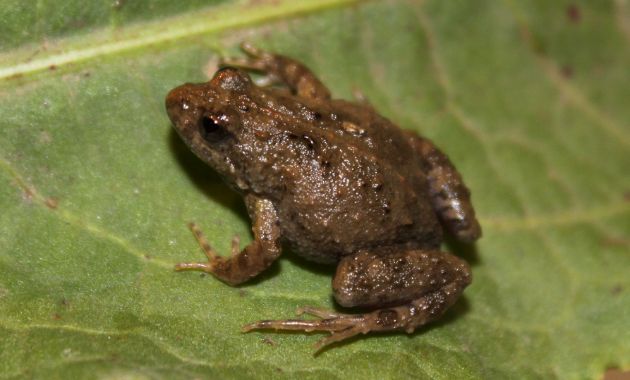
[(205, 179), (339, 184)]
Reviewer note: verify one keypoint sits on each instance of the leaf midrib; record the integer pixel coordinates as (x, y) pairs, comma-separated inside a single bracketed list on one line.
[(99, 43)]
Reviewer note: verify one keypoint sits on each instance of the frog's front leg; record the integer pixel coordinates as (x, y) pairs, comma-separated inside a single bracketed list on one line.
[(407, 289), (299, 78), (254, 258)]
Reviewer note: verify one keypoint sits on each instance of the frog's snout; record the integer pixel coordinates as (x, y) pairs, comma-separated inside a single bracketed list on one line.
[(177, 103), (183, 110)]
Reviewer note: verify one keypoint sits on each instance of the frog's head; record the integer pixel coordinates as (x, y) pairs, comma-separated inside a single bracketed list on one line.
[(213, 120)]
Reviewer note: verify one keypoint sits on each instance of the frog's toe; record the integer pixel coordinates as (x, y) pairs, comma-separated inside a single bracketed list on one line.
[(317, 312), (326, 324), (203, 243), (338, 336), (341, 326), (251, 50), (243, 63), (206, 267), (256, 60)]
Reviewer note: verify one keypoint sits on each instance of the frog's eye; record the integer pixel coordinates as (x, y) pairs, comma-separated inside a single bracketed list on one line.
[(212, 128)]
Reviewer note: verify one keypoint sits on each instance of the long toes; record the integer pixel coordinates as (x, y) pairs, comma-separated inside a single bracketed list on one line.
[(206, 267), (327, 324), (250, 49), (340, 326), (338, 336), (289, 324), (252, 64), (318, 312), (233, 61), (203, 242)]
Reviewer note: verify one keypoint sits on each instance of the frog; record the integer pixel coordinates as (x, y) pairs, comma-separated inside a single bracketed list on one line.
[(336, 183)]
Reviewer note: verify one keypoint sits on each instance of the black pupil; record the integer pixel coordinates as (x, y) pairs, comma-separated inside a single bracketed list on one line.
[(211, 131)]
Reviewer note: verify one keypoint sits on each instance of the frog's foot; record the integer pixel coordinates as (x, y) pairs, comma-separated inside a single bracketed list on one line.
[(213, 258), (254, 258), (344, 326), (256, 60), (278, 69), (407, 317), (341, 326)]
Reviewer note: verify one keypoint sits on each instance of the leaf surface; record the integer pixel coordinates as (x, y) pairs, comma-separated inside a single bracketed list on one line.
[(528, 99)]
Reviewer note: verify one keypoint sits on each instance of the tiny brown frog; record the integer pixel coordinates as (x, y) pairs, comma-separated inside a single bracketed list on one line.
[(336, 181)]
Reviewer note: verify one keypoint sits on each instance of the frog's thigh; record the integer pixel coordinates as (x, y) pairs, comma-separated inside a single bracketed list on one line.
[(370, 280), (449, 195)]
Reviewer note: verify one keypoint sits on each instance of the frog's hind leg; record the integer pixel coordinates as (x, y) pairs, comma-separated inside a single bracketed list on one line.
[(278, 68), (254, 258), (449, 195), (419, 286)]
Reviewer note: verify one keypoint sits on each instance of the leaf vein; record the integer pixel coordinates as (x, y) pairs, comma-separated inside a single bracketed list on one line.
[(74, 220), (154, 33), (533, 222)]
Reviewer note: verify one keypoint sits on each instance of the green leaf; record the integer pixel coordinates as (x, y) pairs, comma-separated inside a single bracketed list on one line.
[(529, 99)]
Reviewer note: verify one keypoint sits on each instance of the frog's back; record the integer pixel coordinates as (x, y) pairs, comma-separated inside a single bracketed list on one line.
[(360, 186)]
